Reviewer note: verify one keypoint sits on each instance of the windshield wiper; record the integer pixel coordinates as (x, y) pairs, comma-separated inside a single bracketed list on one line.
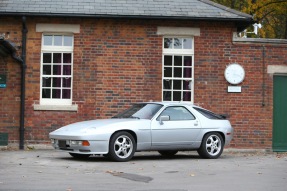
[(116, 117)]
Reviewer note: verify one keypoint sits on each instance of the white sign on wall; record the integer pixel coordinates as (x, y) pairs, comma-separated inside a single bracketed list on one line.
[(234, 89)]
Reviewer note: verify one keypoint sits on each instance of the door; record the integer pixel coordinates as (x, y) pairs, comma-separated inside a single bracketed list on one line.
[(179, 132), (280, 113)]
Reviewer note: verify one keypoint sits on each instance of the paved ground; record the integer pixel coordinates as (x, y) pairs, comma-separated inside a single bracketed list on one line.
[(50, 170)]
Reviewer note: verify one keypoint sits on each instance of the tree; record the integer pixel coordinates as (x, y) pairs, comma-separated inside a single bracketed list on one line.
[(272, 14)]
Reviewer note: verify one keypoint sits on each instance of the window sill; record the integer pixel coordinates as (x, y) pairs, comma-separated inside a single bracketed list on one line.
[(56, 107)]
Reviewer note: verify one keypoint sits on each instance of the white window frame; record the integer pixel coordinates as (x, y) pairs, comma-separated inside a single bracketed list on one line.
[(179, 52), (56, 49)]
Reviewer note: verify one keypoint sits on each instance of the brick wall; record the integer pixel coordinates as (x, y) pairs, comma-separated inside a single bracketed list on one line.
[(118, 62)]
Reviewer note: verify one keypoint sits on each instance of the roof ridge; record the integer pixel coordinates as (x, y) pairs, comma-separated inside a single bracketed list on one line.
[(226, 8)]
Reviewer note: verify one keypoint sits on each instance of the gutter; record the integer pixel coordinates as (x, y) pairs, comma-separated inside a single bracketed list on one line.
[(241, 23)]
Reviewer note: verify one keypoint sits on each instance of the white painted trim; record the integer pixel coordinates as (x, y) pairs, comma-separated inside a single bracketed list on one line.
[(276, 69), (178, 31), (71, 28), (55, 107)]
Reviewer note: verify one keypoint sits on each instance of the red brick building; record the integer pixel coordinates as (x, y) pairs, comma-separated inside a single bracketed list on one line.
[(89, 60)]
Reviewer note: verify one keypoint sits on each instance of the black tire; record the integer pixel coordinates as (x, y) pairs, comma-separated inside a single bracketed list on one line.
[(168, 153), (122, 147), (80, 156), (211, 146)]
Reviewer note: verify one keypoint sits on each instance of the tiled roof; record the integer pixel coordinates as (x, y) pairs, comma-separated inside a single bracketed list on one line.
[(148, 8)]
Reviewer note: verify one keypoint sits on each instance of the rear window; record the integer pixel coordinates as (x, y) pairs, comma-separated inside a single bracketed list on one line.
[(208, 114)]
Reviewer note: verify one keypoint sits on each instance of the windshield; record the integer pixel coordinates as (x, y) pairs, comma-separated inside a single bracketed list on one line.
[(140, 111)]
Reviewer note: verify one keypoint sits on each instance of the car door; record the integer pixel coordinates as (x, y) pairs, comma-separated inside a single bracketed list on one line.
[(180, 131)]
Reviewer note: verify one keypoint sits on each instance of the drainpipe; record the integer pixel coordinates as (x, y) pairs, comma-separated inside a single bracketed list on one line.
[(23, 67), (263, 87)]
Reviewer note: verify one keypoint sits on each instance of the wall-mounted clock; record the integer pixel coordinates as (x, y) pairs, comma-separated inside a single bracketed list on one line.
[(234, 73)]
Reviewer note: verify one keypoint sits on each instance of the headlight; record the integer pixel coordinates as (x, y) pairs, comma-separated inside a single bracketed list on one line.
[(76, 142), (83, 143), (53, 141)]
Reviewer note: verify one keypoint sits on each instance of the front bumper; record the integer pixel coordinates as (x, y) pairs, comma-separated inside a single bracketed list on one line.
[(95, 147)]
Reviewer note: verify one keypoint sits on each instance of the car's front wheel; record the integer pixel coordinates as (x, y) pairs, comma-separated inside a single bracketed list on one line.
[(211, 146), (80, 156), (122, 147), (168, 153)]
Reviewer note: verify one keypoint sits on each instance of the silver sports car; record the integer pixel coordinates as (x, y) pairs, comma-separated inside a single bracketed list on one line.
[(166, 127)]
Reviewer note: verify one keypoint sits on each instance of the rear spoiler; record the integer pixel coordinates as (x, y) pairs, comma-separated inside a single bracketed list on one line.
[(225, 116)]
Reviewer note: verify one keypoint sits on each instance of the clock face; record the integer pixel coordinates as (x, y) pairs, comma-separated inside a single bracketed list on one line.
[(234, 73)]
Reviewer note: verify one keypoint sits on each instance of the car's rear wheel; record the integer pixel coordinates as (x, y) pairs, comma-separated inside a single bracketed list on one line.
[(211, 146), (168, 153), (122, 147), (80, 156)]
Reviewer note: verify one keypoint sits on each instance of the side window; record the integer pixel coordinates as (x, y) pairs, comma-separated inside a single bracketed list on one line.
[(177, 113), (208, 114)]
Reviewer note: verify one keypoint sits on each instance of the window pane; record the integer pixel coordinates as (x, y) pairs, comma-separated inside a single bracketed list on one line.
[(67, 57), (68, 40), (177, 72), (48, 40), (167, 84), (177, 96), (186, 96), (167, 72), (187, 61), (166, 95), (67, 82), (177, 43), (168, 43), (187, 73), (67, 70), (186, 85), (56, 82), (56, 93), (46, 93), (57, 58), (66, 94), (187, 43), (178, 60), (56, 69), (47, 69), (177, 84), (46, 82), (57, 40), (47, 57), (167, 60)]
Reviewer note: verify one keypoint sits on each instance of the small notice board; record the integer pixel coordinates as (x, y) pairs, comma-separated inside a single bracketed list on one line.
[(2, 81)]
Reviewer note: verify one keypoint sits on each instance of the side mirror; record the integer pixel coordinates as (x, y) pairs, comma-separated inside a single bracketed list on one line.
[(163, 118)]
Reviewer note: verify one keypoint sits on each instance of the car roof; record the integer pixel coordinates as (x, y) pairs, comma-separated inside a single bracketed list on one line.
[(170, 103)]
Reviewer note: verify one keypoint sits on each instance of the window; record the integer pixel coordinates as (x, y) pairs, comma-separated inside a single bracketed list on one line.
[(208, 114), (141, 111), (177, 113), (56, 69), (178, 69)]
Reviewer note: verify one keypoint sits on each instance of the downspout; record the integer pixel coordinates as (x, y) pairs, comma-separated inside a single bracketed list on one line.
[(23, 67), (263, 87)]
